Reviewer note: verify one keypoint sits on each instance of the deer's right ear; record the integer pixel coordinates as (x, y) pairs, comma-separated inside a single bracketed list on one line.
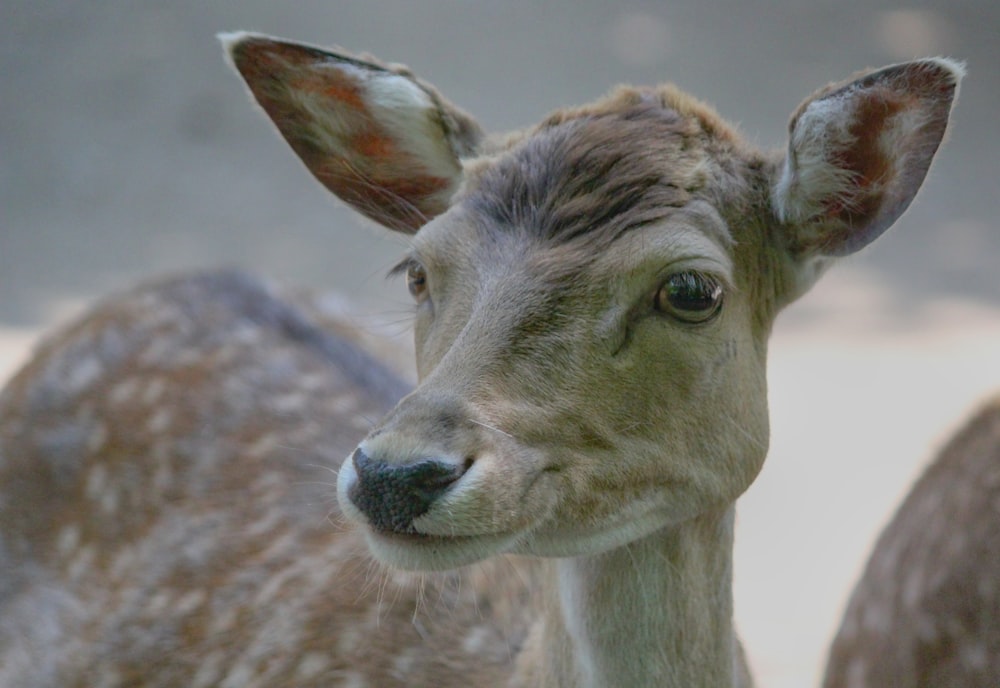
[(376, 136)]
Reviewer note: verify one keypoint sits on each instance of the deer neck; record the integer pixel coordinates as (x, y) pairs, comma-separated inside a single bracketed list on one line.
[(655, 612)]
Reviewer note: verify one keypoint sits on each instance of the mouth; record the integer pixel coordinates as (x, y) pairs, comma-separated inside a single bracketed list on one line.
[(471, 520), (420, 552)]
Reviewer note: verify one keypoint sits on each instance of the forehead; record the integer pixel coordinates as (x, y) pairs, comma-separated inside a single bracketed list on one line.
[(594, 173)]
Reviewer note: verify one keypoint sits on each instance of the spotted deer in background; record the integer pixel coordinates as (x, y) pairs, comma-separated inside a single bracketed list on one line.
[(926, 612), (593, 297)]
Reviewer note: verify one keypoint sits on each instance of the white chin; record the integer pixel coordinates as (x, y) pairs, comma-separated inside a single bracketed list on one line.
[(433, 553)]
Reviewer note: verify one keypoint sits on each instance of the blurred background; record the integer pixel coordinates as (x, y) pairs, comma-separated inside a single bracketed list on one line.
[(127, 149)]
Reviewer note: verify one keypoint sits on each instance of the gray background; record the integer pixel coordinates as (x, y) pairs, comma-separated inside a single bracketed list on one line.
[(127, 149)]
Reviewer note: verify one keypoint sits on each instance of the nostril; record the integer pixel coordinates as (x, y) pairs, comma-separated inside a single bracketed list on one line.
[(391, 496), (430, 478)]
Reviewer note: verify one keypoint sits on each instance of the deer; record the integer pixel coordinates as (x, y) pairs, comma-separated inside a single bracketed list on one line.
[(926, 611), (207, 481)]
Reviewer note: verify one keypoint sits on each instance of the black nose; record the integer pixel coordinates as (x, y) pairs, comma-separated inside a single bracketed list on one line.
[(392, 496)]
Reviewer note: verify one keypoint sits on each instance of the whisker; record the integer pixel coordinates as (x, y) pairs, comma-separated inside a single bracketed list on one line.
[(491, 427)]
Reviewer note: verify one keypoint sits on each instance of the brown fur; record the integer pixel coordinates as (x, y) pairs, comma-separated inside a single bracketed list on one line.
[(926, 612), (591, 173), (208, 422)]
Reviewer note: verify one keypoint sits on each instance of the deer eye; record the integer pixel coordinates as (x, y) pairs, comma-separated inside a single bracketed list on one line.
[(689, 296), (416, 281)]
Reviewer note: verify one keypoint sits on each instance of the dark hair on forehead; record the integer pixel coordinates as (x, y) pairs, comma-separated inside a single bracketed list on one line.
[(593, 176)]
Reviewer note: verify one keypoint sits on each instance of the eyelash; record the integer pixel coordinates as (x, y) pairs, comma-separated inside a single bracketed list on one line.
[(689, 296), (416, 278)]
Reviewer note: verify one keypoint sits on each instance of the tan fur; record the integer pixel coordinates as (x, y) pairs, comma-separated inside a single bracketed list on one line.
[(569, 461), (926, 611)]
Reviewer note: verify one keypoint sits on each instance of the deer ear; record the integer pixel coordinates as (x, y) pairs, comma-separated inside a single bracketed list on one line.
[(858, 152), (383, 141)]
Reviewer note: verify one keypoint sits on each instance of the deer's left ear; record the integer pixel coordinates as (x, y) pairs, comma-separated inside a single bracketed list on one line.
[(857, 154)]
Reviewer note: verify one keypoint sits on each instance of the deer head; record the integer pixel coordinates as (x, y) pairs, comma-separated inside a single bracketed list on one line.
[(593, 295)]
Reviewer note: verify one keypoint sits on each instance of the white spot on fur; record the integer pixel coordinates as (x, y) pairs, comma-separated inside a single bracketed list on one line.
[(263, 446), (875, 620), (82, 375), (354, 680), (159, 350), (224, 621), (269, 483), (160, 421), (209, 671), (158, 603), (270, 520), (109, 501), (403, 663), (122, 562), (68, 541), (108, 678), (280, 548), (476, 640), (239, 676), (975, 657), (154, 390), (97, 482), (124, 392), (348, 640), (318, 571), (227, 354), (304, 436), (82, 563), (289, 403), (188, 357), (272, 587), (856, 674), (97, 437), (247, 334), (926, 629), (208, 455), (163, 476), (189, 601), (913, 588), (311, 665), (312, 381)]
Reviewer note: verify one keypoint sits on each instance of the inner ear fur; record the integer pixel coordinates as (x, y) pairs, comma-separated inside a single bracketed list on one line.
[(858, 152), (379, 138)]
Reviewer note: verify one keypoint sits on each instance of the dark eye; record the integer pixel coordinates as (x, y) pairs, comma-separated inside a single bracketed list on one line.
[(689, 296), (416, 282)]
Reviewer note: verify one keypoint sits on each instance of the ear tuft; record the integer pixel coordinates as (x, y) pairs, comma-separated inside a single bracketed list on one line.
[(383, 141), (230, 39), (858, 152)]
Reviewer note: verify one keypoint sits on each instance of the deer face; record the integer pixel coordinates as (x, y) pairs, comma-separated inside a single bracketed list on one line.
[(593, 296), (580, 338)]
